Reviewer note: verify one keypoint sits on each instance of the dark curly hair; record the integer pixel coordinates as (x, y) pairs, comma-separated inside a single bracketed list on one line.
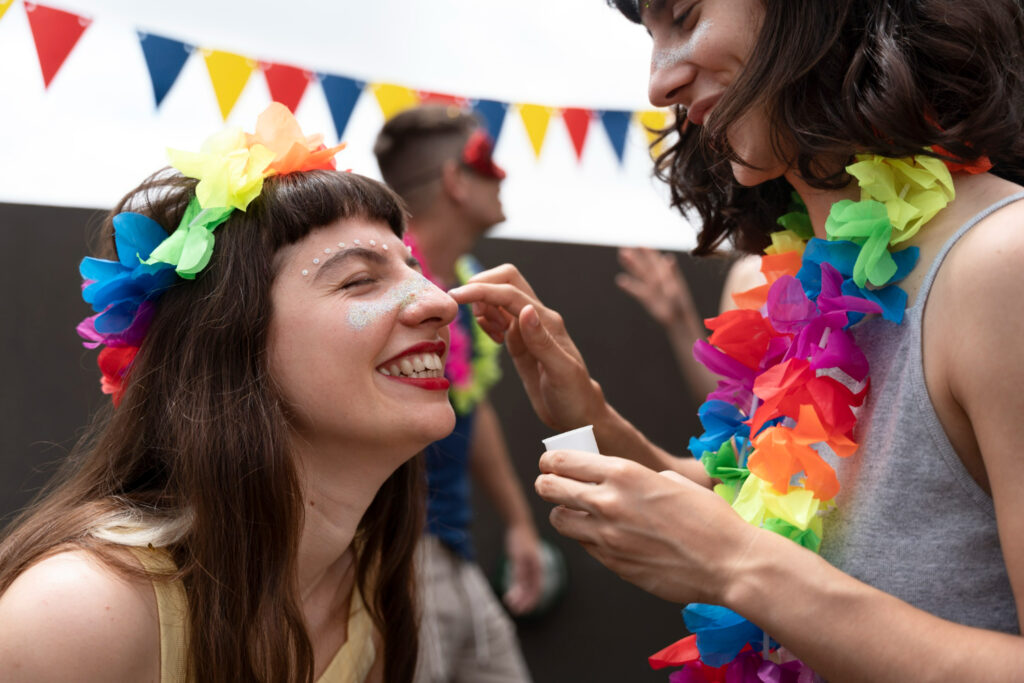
[(839, 77)]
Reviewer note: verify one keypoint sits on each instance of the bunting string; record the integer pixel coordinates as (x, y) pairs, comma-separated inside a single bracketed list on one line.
[(56, 33)]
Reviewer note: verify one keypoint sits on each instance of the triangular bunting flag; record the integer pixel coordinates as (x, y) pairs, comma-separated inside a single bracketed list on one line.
[(287, 84), (228, 73), (493, 114), (394, 99), (427, 97), (653, 120), (55, 32), (577, 121), (4, 6), (535, 118), (616, 124), (342, 94), (164, 59)]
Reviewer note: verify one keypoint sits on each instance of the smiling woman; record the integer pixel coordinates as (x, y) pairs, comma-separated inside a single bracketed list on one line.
[(226, 518)]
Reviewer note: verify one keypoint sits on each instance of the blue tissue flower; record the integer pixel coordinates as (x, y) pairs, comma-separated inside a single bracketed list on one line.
[(116, 289)]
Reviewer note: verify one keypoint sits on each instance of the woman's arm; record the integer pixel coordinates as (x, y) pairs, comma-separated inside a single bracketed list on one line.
[(71, 618), (556, 379), (684, 544), (654, 280)]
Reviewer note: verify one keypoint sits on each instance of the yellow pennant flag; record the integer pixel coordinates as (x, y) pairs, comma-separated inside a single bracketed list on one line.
[(394, 99), (4, 6), (536, 118), (229, 73), (653, 119)]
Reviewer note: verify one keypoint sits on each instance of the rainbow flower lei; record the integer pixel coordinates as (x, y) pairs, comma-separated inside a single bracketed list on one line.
[(779, 356), (472, 366), (230, 168)]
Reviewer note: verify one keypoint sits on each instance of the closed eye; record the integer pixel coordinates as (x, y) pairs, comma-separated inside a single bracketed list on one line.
[(681, 19), (358, 282)]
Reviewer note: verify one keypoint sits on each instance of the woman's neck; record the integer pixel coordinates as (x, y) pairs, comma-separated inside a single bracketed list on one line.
[(819, 202), (336, 494)]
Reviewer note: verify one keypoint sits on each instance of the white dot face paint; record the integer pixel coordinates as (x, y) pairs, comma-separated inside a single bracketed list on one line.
[(684, 51), (305, 272), (363, 313)]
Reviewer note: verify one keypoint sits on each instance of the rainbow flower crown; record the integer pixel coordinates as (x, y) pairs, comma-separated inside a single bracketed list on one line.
[(230, 167)]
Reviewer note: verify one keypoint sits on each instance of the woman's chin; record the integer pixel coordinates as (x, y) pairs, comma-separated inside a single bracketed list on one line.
[(439, 427), (445, 426)]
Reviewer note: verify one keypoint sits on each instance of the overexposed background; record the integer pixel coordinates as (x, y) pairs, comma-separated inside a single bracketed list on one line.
[(95, 132)]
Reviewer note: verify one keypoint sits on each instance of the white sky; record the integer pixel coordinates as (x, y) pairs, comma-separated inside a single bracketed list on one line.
[(95, 132)]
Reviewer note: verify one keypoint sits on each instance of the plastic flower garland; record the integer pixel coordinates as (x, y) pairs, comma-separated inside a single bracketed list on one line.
[(472, 366), (778, 356), (230, 168)]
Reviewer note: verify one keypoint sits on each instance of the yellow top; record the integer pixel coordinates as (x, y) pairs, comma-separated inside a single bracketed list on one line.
[(351, 664)]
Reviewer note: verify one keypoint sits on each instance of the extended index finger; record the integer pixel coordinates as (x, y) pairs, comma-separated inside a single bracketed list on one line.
[(592, 468), (505, 274), (506, 296)]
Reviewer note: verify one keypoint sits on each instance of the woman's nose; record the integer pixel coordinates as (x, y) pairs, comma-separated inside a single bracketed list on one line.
[(671, 72), (429, 304)]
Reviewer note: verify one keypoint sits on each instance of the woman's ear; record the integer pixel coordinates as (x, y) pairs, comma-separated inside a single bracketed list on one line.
[(453, 181)]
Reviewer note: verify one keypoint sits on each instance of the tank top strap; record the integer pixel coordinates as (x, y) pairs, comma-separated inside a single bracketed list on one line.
[(922, 293), (172, 611)]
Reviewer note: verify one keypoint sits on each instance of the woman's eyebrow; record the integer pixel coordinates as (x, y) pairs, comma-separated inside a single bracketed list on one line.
[(341, 257)]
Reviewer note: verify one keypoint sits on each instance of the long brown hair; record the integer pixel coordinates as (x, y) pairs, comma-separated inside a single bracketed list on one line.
[(198, 449), (839, 77)]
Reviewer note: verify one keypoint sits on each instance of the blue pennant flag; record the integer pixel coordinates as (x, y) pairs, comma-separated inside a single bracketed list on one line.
[(342, 94), (493, 114), (616, 124), (164, 58)]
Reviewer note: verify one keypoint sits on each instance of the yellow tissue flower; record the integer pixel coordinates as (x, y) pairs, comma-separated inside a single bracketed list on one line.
[(913, 189), (758, 500), (230, 173)]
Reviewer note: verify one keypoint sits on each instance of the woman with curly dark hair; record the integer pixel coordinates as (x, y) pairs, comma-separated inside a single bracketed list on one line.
[(863, 438), (248, 508)]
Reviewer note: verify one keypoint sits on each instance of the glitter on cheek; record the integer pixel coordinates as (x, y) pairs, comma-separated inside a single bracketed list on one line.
[(364, 313), (684, 51)]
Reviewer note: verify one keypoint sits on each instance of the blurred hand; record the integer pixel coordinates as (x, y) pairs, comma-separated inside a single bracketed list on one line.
[(653, 279), (556, 379), (523, 549), (662, 532)]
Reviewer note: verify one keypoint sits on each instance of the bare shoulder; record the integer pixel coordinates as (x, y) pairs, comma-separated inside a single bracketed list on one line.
[(71, 617), (985, 266)]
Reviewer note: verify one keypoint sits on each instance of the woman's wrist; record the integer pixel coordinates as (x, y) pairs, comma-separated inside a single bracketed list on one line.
[(764, 564)]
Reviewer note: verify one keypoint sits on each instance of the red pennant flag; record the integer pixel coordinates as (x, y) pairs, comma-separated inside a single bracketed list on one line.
[(287, 84), (55, 33), (577, 121)]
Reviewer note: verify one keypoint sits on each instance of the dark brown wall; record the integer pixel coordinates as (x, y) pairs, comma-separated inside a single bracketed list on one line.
[(603, 630)]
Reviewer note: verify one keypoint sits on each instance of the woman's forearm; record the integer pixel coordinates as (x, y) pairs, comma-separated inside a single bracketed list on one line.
[(849, 631)]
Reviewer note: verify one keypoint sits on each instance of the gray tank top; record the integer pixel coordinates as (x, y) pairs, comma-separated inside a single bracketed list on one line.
[(910, 520)]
